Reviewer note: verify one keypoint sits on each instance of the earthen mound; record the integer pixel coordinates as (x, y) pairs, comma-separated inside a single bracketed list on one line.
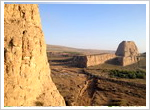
[(127, 48)]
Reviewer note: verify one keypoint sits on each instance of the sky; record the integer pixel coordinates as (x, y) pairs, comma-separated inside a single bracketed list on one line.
[(94, 26)]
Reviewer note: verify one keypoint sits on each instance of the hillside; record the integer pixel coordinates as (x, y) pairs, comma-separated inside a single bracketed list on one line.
[(57, 48)]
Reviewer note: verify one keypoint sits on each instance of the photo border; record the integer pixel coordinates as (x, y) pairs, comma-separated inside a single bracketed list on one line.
[(76, 2)]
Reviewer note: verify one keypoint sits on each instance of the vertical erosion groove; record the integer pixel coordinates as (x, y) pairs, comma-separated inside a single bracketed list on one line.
[(22, 84)]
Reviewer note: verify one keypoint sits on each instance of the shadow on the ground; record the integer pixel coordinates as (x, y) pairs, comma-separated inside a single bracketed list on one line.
[(63, 62)]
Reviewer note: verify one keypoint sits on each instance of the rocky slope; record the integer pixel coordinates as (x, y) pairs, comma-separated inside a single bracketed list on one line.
[(27, 80)]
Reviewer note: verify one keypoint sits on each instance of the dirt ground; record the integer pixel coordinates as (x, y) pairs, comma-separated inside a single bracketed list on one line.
[(81, 89)]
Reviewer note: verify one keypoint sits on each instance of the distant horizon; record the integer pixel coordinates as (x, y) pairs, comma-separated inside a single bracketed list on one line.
[(77, 47), (94, 26), (86, 48)]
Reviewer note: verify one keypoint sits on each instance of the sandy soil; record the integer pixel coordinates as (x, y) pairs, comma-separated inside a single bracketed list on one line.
[(81, 89)]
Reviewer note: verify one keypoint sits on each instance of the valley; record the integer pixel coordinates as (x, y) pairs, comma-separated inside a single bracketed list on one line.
[(93, 86)]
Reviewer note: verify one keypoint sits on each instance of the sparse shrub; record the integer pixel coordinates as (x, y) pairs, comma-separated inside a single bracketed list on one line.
[(131, 75), (141, 74), (128, 74)]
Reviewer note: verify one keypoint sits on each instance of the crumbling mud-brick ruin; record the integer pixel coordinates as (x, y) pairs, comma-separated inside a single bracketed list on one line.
[(27, 80), (126, 54), (91, 60)]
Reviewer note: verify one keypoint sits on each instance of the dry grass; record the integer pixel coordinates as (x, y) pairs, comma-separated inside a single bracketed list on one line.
[(71, 80)]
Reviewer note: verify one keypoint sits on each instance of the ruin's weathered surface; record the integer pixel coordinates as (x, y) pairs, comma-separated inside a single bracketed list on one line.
[(91, 60), (128, 60), (127, 48), (127, 52), (27, 80)]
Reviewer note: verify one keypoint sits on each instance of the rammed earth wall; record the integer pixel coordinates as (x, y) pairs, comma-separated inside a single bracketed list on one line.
[(91, 60), (27, 80)]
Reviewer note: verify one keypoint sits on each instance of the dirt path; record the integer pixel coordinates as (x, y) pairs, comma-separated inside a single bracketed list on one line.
[(86, 93)]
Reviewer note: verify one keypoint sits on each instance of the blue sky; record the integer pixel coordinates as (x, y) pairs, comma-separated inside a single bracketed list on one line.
[(94, 26)]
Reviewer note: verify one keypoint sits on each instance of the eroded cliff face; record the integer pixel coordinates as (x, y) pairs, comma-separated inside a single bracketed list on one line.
[(27, 80)]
